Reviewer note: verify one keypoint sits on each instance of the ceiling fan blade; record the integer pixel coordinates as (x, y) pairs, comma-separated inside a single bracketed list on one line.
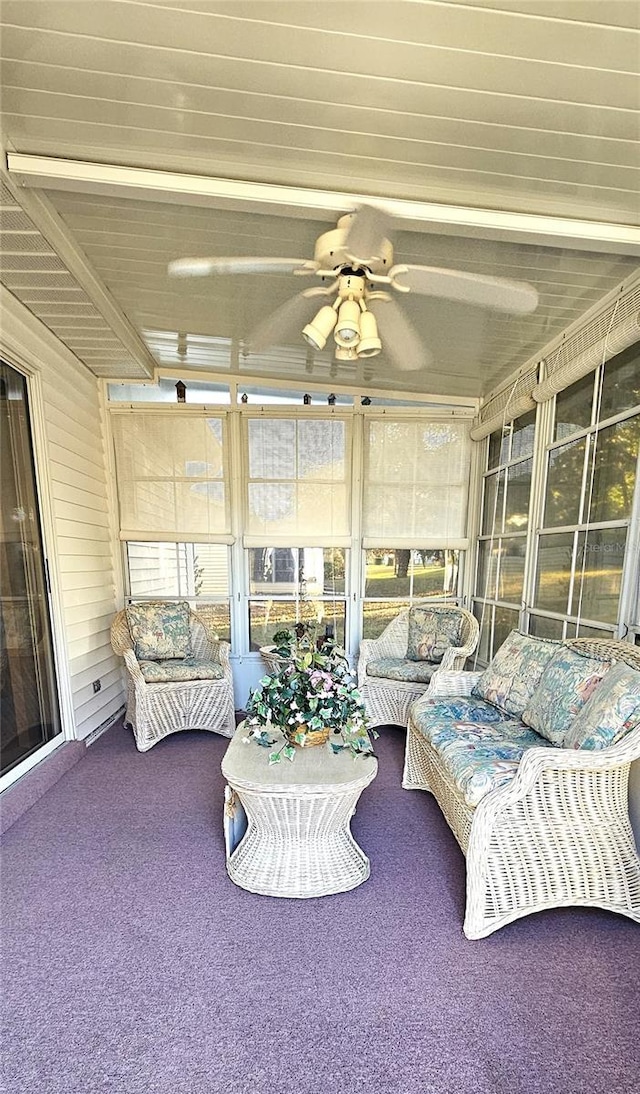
[(200, 267), (286, 323), (400, 342), (368, 229), (499, 293)]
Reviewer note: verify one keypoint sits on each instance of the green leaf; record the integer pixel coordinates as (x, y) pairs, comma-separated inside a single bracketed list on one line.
[(274, 758), (289, 753)]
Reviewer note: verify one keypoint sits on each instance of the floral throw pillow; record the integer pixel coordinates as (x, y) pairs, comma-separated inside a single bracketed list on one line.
[(568, 681), (431, 632), (510, 679), (612, 710), (160, 630)]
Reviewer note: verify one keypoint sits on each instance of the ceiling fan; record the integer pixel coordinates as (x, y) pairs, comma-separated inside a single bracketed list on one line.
[(355, 264)]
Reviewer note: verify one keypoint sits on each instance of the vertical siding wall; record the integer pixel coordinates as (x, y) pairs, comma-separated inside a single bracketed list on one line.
[(82, 550)]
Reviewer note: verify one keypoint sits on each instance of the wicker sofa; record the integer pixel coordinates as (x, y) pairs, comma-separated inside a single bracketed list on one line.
[(549, 825), (388, 698)]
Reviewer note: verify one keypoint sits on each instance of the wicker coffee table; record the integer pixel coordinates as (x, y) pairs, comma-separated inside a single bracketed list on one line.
[(298, 841)]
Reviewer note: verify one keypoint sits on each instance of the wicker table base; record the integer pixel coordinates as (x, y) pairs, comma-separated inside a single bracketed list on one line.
[(298, 841)]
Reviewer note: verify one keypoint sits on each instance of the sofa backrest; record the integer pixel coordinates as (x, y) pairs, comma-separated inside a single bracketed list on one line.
[(607, 649)]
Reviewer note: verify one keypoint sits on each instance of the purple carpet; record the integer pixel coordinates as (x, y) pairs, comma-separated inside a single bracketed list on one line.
[(132, 964)]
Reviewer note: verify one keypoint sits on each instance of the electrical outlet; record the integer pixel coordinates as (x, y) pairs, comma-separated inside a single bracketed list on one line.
[(96, 686)]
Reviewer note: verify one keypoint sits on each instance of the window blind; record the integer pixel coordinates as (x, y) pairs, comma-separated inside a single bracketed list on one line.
[(416, 483), (298, 476), (170, 475)]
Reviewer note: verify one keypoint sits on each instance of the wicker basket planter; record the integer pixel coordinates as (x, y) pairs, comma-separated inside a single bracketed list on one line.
[(313, 738), (272, 660)]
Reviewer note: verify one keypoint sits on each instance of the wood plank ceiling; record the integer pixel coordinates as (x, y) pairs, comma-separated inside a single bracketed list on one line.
[(528, 106)]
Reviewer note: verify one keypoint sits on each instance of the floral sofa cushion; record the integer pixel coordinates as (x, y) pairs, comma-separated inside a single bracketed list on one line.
[(514, 673), (176, 670), (612, 710), (160, 630), (401, 668), (463, 708), (478, 754), (431, 632), (565, 685)]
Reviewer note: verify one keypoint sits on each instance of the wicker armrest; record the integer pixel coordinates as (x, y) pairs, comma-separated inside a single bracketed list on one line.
[(452, 658), (448, 682), (537, 760), (224, 651), (133, 668), (368, 651)]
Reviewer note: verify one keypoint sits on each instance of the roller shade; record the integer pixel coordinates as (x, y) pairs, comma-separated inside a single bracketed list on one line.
[(170, 473), (416, 482), (507, 404), (298, 489), (609, 333)]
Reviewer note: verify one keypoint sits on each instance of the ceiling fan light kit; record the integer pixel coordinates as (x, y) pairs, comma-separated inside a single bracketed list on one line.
[(369, 344), (357, 259), (347, 332), (318, 330)]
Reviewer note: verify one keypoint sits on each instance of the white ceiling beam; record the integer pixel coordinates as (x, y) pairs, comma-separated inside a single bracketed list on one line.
[(51, 173)]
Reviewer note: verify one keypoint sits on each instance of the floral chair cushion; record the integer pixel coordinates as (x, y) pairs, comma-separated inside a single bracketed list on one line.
[(431, 632), (612, 710), (160, 630), (477, 756), (174, 671), (401, 668), (567, 682), (514, 673)]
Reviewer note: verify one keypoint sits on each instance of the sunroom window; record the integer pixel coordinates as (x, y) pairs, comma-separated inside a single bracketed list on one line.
[(289, 585), (416, 475), (502, 544), (197, 572), (297, 524), (583, 544), (174, 510), (394, 577)]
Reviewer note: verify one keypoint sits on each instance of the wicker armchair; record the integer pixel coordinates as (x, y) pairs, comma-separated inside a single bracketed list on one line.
[(388, 701), (154, 710), (559, 834)]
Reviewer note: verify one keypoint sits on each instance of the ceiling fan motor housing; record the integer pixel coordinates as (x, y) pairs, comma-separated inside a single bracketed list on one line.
[(331, 253)]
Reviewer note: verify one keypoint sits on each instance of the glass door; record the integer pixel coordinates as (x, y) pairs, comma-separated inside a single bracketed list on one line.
[(29, 715)]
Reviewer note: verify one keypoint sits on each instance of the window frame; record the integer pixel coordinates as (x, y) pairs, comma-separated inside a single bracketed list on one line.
[(575, 623), (486, 607)]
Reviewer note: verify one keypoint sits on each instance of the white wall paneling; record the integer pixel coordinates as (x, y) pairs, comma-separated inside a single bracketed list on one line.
[(72, 479)]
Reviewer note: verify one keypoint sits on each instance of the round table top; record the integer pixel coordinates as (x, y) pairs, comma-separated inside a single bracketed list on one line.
[(313, 770)]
